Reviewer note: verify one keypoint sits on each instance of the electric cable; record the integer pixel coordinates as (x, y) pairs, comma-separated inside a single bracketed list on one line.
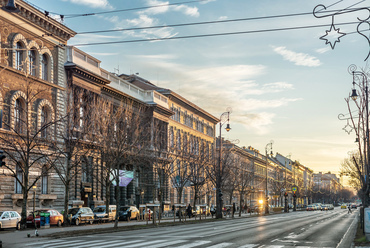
[(210, 35)]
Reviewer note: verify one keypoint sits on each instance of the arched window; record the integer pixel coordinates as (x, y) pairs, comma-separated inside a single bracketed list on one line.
[(18, 183), (45, 67), (44, 121), (18, 115), (19, 56), (32, 62), (44, 180)]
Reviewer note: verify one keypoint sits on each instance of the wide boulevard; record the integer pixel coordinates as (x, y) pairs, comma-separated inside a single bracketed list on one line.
[(296, 229)]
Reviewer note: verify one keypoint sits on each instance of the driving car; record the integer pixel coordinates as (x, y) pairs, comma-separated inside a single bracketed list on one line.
[(56, 218), (9, 219), (101, 213), (343, 206), (310, 208), (81, 215), (123, 213)]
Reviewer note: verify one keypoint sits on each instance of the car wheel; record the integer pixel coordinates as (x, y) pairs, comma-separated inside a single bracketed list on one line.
[(18, 226), (77, 222), (59, 224)]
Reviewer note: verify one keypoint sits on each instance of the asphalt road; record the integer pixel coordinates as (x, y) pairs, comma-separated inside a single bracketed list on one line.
[(296, 229)]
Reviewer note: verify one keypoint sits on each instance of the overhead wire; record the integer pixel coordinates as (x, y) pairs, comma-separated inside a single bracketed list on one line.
[(210, 35), (120, 10)]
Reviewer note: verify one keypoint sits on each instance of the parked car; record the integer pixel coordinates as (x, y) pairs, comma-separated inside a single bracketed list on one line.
[(9, 219), (56, 218), (100, 212), (324, 207), (81, 215), (126, 211)]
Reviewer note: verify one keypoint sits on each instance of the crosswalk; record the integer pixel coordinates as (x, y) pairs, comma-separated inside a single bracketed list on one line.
[(106, 243)]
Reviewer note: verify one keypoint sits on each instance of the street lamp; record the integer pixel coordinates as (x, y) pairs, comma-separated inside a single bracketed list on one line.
[(224, 118), (268, 150), (286, 207), (362, 101)]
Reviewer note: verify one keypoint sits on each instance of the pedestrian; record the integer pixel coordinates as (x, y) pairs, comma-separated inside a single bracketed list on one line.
[(188, 210), (349, 209), (212, 210)]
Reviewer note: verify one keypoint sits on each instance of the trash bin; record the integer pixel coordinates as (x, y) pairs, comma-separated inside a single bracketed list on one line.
[(44, 220)]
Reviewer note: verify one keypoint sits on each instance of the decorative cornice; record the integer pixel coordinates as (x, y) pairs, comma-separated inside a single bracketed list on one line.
[(50, 26), (86, 75), (179, 99)]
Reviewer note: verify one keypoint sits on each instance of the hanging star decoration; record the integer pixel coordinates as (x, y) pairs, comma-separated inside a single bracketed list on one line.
[(332, 36), (348, 128)]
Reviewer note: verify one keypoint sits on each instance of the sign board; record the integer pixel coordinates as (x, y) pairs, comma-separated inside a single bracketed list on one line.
[(367, 219), (180, 205), (294, 189), (152, 205), (142, 206)]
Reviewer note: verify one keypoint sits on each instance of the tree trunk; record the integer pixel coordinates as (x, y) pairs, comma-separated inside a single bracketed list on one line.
[(66, 201)]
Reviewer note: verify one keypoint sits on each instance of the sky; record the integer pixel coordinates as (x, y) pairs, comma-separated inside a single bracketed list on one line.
[(283, 83)]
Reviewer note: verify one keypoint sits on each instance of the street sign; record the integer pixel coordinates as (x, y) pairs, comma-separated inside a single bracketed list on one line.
[(294, 189)]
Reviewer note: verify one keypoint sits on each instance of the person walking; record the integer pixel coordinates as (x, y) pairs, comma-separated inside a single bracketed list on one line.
[(349, 209), (213, 211), (188, 210)]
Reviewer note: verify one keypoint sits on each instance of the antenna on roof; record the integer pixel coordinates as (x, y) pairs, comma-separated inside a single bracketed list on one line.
[(115, 69)]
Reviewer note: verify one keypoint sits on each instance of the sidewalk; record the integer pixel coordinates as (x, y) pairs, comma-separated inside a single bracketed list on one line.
[(10, 238)]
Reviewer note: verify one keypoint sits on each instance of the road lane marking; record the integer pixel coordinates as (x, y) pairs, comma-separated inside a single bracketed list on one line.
[(119, 243), (173, 242), (221, 245), (196, 243), (49, 242), (99, 244), (144, 244), (248, 246)]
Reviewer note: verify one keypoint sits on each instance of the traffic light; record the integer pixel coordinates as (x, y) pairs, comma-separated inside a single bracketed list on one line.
[(286, 194), (2, 157), (220, 194)]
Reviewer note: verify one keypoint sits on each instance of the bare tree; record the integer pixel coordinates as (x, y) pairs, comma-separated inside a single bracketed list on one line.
[(245, 177), (199, 161), (124, 133), (29, 140), (75, 126)]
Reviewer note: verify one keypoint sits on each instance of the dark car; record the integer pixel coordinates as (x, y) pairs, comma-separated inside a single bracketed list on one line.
[(128, 213), (81, 215)]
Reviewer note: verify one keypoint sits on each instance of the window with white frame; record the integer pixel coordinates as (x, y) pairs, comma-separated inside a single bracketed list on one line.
[(19, 56), (44, 121), (44, 180), (45, 67), (32, 62), (18, 115), (18, 180)]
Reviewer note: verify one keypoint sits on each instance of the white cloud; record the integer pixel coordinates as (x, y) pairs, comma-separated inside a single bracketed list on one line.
[(93, 3), (323, 50), (160, 7), (221, 18), (190, 11), (297, 58), (234, 85)]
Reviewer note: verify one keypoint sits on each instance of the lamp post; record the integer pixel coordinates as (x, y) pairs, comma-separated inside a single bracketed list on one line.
[(286, 207), (224, 118), (268, 150), (362, 102)]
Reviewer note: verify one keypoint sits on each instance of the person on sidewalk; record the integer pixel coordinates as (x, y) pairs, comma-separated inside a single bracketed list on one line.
[(349, 209), (188, 210)]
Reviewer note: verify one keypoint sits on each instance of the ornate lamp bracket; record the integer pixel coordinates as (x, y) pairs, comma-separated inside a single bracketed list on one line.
[(333, 35)]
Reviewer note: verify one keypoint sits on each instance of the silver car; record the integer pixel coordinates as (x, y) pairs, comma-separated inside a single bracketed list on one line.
[(9, 219)]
